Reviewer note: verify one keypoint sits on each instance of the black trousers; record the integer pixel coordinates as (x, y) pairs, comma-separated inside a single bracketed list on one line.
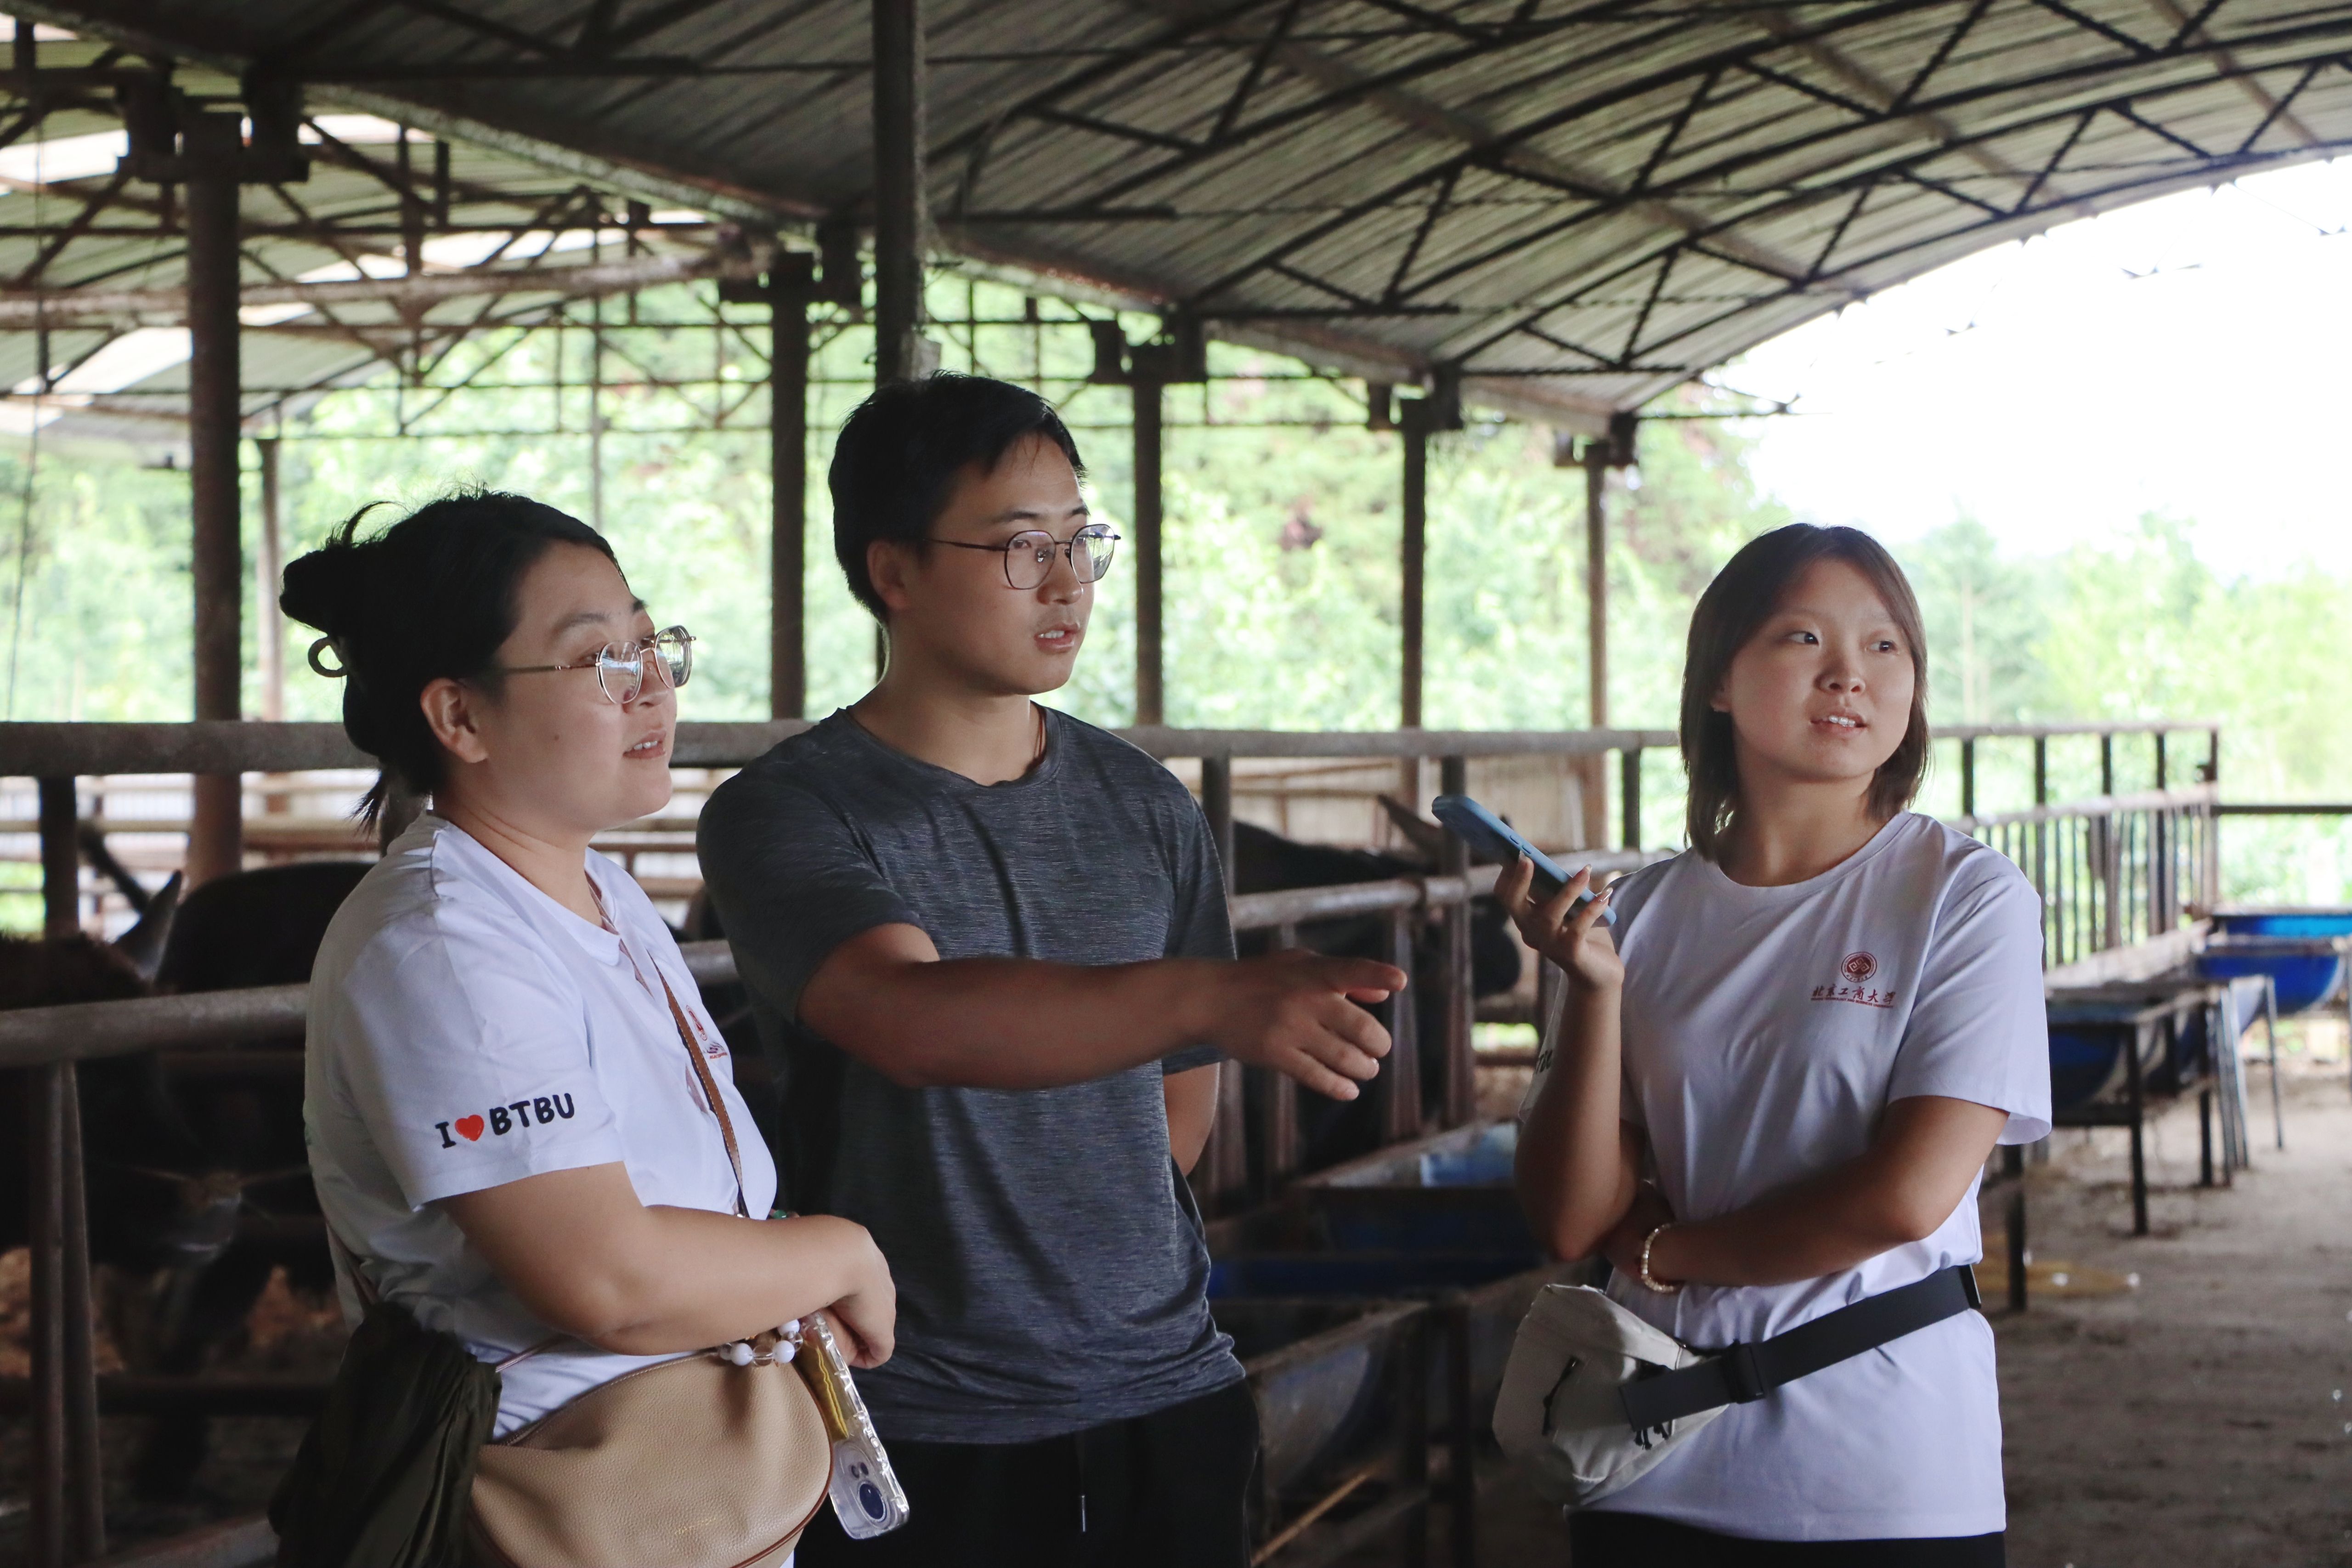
[(1636, 1541), (1162, 1490)]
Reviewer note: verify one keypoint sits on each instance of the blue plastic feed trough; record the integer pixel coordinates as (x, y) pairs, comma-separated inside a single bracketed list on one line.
[(1452, 1193), (1361, 1274), (2284, 922), (2305, 968)]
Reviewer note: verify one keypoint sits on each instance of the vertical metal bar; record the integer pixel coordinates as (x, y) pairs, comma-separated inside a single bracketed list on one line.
[(1461, 1434), (788, 369), (2205, 1137), (215, 415), (1412, 428), (1461, 992), (1596, 584), (2208, 897), (1150, 689), (2137, 1102), (85, 1475), (1412, 1437), (1590, 770), (2160, 761), (46, 1537), (1968, 777), (2269, 1027), (900, 222), (1629, 794), (1399, 1080), (596, 407), (1277, 1110), (60, 859), (270, 642), (2107, 765), (2041, 770), (1217, 804), (2012, 1165)]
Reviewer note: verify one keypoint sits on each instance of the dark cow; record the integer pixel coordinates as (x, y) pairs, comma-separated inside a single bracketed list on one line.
[(1265, 861), (197, 1179)]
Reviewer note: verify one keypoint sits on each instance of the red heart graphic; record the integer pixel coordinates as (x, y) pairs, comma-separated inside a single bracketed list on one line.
[(469, 1128)]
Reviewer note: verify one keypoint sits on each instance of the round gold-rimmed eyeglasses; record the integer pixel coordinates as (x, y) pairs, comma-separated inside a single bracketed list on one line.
[(620, 667), (1029, 554)]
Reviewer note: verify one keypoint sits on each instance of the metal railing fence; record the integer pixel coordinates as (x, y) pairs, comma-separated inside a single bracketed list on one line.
[(2143, 848)]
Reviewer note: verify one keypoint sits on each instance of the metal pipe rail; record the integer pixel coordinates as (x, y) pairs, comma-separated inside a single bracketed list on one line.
[(1248, 1156)]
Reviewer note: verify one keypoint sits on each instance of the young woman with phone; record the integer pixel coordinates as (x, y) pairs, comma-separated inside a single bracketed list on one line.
[(1772, 1094)]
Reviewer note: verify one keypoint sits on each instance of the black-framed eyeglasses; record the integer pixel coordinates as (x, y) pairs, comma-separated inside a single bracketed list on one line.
[(620, 667), (1029, 554)]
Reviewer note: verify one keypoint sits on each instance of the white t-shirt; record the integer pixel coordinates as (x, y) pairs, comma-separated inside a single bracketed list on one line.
[(1766, 1029), (466, 1030)]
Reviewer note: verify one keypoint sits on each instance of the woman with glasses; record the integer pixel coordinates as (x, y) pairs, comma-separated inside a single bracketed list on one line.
[(524, 1126)]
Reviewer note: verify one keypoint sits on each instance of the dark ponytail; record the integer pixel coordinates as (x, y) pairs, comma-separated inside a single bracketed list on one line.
[(433, 596)]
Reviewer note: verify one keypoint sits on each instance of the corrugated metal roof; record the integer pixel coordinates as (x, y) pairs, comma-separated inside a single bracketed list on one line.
[(1576, 206)]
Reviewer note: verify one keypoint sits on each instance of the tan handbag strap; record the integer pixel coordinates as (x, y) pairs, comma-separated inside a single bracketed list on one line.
[(709, 1088)]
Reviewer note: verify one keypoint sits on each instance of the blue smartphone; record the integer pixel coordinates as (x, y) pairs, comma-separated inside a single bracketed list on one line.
[(1498, 840)]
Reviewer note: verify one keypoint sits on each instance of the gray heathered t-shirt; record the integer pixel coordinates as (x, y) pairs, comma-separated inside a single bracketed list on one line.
[(1049, 1260)]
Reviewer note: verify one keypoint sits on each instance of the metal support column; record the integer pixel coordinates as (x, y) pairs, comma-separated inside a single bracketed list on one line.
[(1629, 794), (901, 231), (269, 565), (1968, 778), (68, 1518), (1150, 688), (1592, 771), (789, 290), (1412, 424), (1461, 1001), (216, 834), (1224, 1163)]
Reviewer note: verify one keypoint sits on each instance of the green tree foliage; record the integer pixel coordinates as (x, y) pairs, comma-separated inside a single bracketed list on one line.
[(1284, 512)]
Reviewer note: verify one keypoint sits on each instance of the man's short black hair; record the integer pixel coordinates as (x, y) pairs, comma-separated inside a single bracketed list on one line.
[(900, 451)]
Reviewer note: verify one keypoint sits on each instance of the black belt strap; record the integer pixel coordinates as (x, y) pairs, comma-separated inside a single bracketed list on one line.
[(1748, 1371)]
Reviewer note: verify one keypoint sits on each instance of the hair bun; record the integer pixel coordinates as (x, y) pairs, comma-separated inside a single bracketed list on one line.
[(327, 589)]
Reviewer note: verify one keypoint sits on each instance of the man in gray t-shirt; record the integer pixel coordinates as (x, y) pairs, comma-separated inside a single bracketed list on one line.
[(988, 952)]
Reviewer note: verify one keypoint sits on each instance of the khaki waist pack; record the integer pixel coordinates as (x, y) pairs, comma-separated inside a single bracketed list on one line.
[(1594, 1398)]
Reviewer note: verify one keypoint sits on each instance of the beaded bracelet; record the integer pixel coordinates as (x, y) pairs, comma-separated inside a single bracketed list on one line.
[(1649, 1281)]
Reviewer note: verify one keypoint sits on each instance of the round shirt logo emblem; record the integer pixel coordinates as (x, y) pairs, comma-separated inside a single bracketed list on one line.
[(1859, 967)]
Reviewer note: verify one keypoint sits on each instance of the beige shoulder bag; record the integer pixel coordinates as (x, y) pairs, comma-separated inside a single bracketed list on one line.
[(714, 1460)]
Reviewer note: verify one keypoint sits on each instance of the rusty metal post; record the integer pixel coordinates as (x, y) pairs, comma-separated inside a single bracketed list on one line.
[(216, 415), (60, 859), (1629, 794), (269, 643), (1460, 1432), (1413, 558), (901, 230), (1460, 991), (1592, 771), (788, 369), (1412, 1437), (85, 1474), (1968, 778), (2208, 896), (1399, 1081), (46, 1535), (1217, 805), (1150, 689), (1227, 1156), (1277, 1140), (70, 1509)]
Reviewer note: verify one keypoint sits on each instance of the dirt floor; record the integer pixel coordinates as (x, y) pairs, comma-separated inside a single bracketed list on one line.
[(2184, 1399)]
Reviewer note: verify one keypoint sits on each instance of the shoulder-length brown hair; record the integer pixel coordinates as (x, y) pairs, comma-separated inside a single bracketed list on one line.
[(1743, 595)]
